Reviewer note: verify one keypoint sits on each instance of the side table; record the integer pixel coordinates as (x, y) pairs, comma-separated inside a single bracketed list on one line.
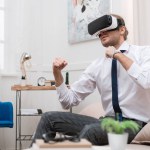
[(18, 88)]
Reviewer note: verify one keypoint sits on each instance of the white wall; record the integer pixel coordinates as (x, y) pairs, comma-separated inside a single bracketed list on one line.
[(40, 27), (141, 22)]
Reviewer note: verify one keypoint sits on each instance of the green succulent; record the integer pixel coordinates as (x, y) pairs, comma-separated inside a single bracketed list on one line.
[(114, 126)]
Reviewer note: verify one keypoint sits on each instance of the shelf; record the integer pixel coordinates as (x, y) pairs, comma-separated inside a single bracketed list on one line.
[(30, 87), (29, 115), (19, 115), (25, 138)]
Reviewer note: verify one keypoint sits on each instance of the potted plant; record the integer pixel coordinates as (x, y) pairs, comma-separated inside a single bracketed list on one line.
[(117, 136)]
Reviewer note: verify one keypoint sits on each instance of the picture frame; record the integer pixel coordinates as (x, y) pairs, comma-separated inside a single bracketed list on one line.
[(80, 14)]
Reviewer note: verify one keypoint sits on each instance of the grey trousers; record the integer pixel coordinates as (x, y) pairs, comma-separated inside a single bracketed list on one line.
[(74, 124)]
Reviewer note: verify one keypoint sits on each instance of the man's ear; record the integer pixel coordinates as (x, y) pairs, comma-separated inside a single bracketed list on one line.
[(122, 30)]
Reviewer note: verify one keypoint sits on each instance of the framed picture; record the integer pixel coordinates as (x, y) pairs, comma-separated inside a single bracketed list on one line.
[(80, 14)]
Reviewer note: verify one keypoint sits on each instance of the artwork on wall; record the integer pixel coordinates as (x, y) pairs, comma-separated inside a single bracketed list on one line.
[(82, 12)]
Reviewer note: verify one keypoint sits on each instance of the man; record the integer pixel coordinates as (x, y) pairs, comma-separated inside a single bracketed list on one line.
[(133, 89)]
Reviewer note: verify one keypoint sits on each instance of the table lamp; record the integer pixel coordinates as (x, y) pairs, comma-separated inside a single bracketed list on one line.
[(24, 57)]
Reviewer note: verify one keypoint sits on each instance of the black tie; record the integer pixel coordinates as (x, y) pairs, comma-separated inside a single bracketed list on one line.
[(114, 82)]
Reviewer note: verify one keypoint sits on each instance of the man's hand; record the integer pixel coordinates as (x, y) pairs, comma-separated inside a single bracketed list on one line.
[(58, 65), (109, 52)]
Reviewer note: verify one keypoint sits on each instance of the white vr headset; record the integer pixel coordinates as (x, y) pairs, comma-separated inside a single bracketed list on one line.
[(104, 23)]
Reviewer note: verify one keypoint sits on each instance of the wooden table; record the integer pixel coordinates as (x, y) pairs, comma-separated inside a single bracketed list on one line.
[(30, 87), (18, 89)]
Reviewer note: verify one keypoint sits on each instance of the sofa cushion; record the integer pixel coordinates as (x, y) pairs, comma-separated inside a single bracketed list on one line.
[(143, 137), (94, 110)]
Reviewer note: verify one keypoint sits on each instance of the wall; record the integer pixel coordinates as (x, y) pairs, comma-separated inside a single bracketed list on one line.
[(40, 27), (141, 22)]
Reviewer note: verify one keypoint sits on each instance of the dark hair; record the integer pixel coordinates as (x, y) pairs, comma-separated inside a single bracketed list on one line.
[(123, 22)]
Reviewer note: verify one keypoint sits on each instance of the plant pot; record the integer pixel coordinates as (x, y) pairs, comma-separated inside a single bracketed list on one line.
[(117, 141)]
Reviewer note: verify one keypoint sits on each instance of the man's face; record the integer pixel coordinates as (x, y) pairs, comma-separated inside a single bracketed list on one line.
[(110, 38)]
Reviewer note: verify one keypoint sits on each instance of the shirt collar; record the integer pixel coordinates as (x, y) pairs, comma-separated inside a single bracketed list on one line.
[(124, 46)]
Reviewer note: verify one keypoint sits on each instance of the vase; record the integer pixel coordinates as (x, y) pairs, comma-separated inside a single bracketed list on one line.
[(117, 141)]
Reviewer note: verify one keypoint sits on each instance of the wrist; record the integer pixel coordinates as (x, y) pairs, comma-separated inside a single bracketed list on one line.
[(58, 83), (58, 78)]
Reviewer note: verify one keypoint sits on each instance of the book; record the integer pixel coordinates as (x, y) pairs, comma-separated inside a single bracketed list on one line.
[(83, 144), (31, 111)]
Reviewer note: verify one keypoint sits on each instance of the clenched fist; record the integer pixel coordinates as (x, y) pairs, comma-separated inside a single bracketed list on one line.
[(109, 52), (59, 63)]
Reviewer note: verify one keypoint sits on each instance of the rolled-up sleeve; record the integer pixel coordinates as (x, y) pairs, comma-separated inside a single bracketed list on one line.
[(73, 95), (76, 93), (140, 72), (64, 95)]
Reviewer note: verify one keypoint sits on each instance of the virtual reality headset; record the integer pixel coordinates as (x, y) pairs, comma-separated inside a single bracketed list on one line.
[(104, 23)]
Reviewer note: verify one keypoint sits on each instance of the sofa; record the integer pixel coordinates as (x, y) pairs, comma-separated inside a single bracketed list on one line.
[(141, 141)]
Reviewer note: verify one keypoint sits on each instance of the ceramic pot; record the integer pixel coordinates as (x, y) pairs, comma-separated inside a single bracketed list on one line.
[(117, 141)]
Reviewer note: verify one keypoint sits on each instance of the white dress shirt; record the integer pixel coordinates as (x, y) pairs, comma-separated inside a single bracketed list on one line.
[(133, 85)]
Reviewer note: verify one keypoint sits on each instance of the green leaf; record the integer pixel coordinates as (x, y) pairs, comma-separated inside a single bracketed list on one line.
[(111, 125)]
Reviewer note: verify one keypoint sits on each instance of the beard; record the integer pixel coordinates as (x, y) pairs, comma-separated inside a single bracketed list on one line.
[(109, 42)]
